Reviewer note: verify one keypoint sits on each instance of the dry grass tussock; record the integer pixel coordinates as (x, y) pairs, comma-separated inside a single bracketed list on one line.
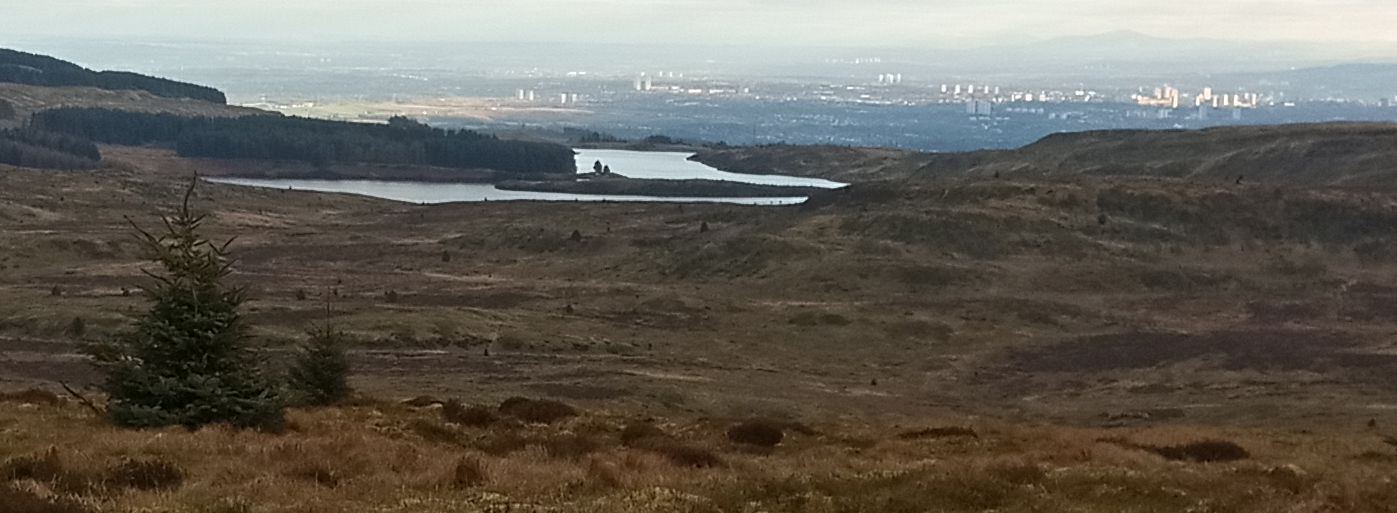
[(395, 458)]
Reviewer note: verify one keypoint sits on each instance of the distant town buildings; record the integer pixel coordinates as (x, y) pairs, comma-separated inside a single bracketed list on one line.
[(1172, 98)]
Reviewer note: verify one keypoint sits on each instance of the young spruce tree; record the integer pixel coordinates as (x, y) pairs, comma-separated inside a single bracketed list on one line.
[(188, 361), (320, 374)]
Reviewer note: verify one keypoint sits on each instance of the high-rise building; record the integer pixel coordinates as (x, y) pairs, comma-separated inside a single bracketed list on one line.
[(980, 108)]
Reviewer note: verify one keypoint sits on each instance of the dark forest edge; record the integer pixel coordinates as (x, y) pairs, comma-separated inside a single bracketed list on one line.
[(317, 142), (47, 150), (41, 70)]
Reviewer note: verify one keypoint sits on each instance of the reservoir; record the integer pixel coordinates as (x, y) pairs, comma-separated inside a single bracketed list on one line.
[(431, 193), (677, 166), (633, 164)]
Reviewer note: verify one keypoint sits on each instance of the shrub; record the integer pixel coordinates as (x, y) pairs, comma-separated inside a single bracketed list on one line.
[(434, 432), (319, 376), (77, 328), (43, 467), (1207, 451), (570, 446), (605, 474), (688, 455), (938, 433), (537, 411), (640, 433), (474, 416), (145, 474), (15, 500), (187, 361), (48, 468), (757, 433), (469, 472), (31, 396)]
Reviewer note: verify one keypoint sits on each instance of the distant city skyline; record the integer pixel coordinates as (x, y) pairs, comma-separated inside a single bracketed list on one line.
[(938, 23)]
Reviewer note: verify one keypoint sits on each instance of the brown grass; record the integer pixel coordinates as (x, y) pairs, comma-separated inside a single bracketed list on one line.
[(372, 457)]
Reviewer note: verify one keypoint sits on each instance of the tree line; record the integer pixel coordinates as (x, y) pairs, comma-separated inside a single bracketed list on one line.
[(41, 70), (46, 150), (320, 142)]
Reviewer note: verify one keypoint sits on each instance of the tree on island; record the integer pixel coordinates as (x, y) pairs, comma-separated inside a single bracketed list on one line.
[(188, 360), (597, 168)]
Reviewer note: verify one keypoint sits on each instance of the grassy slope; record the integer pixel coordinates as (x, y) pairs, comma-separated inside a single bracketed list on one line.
[(1335, 154), (387, 457)]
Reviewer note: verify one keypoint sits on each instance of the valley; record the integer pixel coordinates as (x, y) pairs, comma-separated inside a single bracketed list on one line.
[(967, 295)]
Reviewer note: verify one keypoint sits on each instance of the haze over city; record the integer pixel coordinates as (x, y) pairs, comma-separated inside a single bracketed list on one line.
[(941, 23)]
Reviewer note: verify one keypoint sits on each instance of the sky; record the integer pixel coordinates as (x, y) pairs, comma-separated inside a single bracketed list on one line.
[(941, 23)]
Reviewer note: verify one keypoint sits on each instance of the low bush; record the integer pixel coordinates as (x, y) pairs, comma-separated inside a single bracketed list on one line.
[(31, 396), (434, 431), (1208, 451), (537, 411), (469, 472), (687, 455), (473, 416), (757, 433), (640, 433), (16, 500), (48, 468), (145, 474), (938, 433), (570, 446)]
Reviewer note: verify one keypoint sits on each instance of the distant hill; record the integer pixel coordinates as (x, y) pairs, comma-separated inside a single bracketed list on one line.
[(40, 70), (1324, 154), (1329, 154)]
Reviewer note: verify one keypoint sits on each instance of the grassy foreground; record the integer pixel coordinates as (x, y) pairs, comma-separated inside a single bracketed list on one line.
[(57, 457)]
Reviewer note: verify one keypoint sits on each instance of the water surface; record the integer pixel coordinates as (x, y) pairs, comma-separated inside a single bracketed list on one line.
[(677, 166), (634, 164), (432, 193)]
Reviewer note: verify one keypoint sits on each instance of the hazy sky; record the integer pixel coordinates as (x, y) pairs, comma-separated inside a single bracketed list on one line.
[(797, 22)]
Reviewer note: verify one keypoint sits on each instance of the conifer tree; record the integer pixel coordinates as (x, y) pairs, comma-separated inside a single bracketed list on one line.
[(188, 361), (320, 374)]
